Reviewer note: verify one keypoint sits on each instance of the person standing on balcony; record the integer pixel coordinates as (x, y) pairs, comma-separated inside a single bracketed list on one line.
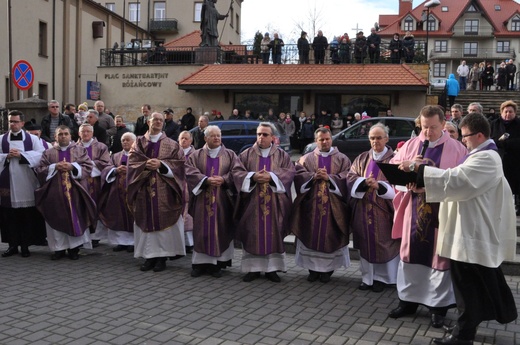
[(360, 47), (487, 76), (303, 48), (474, 76), (463, 72), (408, 47), (319, 44), (276, 49), (373, 42), (264, 48), (208, 24), (396, 49)]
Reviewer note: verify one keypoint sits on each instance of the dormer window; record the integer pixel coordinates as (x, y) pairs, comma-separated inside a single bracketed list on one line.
[(432, 24), (408, 24), (444, 8), (515, 23), (497, 8), (472, 8)]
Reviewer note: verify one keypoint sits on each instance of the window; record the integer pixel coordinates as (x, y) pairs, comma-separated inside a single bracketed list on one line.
[(515, 24), (238, 23), (444, 8), (470, 48), (42, 91), (432, 24), (439, 69), (134, 12), (502, 46), (497, 8), (42, 43), (231, 17), (408, 24), (232, 129), (471, 27), (441, 46), (197, 12), (472, 8), (159, 10), (110, 6)]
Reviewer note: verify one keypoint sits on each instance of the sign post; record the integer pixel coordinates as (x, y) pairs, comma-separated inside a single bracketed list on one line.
[(23, 75)]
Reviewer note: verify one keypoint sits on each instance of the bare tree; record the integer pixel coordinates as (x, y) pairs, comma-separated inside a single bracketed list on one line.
[(311, 23)]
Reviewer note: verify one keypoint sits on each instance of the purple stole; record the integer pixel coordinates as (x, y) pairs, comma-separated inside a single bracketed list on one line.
[(152, 202), (44, 143), (121, 187), (490, 146), (5, 176), (265, 237), (66, 185), (210, 205), (370, 219), (93, 189), (425, 219), (322, 207)]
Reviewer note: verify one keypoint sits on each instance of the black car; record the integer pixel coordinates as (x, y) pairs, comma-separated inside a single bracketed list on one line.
[(239, 135), (353, 141)]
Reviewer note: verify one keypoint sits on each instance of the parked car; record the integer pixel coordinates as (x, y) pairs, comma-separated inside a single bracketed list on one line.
[(353, 141), (438, 83), (239, 135)]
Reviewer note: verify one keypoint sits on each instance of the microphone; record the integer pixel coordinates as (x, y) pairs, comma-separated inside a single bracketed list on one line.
[(425, 146)]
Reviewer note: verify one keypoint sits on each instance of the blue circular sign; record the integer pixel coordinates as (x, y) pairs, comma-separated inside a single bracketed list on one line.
[(22, 74)]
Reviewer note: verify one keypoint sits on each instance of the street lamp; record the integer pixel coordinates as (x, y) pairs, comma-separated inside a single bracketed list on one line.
[(428, 5)]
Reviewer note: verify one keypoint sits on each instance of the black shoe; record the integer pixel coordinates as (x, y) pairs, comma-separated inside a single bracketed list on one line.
[(196, 272), (272, 276), (437, 321), (12, 250), (148, 264), (130, 249), (313, 276), (451, 329), (378, 286), (119, 248), (325, 277), (401, 311), (58, 255), (95, 243), (249, 277), (176, 257), (364, 287), (160, 265), (216, 273), (25, 252), (74, 253), (452, 340)]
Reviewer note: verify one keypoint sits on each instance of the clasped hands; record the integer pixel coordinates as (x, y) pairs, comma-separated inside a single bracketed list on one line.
[(262, 176)]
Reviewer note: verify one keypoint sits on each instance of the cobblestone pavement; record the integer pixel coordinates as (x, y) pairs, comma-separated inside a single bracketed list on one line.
[(103, 298)]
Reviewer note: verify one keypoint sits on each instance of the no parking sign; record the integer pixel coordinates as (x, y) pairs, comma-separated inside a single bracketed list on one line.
[(22, 74)]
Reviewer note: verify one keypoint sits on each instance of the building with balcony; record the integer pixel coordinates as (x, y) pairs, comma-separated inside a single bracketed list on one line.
[(471, 30)]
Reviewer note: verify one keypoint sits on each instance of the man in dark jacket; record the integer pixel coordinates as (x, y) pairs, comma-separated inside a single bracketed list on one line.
[(171, 128), (373, 42), (54, 119), (198, 132), (187, 120), (121, 129), (141, 126), (510, 75), (360, 47), (319, 44), (99, 132), (303, 48), (276, 46)]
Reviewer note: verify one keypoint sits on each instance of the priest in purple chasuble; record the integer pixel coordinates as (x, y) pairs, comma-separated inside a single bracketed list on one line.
[(423, 277), (20, 153), (156, 180), (185, 140), (63, 198), (100, 157), (264, 176), (112, 203), (320, 216), (373, 213), (212, 193)]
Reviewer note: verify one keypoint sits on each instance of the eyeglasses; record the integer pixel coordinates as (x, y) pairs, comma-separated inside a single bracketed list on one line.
[(54, 106), (469, 135), (14, 121), (263, 134)]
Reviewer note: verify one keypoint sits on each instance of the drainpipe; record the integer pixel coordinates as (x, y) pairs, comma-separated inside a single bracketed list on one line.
[(10, 91), (53, 49)]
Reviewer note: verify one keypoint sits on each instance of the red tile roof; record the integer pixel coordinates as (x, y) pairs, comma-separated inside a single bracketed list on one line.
[(190, 40), (456, 9), (252, 76)]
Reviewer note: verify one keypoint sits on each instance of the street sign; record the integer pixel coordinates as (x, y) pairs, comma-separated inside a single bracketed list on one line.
[(22, 74)]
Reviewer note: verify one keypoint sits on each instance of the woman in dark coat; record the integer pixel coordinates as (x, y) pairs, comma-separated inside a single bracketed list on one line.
[(502, 77), (487, 76), (396, 48), (408, 47)]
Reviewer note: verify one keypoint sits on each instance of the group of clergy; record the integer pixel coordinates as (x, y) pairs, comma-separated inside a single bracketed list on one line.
[(160, 198)]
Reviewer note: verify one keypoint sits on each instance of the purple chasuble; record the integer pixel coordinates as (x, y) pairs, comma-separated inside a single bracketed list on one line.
[(66, 184), (264, 209), (210, 204), (5, 177), (322, 206), (90, 180), (425, 218), (152, 202), (370, 217)]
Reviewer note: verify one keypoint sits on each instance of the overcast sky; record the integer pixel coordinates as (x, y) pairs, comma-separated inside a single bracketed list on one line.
[(335, 17)]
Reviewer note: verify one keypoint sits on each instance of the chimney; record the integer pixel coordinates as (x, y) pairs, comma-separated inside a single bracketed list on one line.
[(405, 6)]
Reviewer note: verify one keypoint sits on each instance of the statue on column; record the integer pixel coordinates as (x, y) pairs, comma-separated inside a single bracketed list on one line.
[(208, 23)]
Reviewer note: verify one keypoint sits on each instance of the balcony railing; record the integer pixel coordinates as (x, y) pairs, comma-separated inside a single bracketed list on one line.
[(230, 54), (164, 25), (478, 54)]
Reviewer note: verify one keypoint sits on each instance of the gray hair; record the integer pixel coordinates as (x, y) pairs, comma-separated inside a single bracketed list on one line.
[(87, 126), (321, 130), (478, 105), (204, 117), (270, 125), (210, 129), (94, 112), (382, 126), (452, 124), (130, 135), (52, 102), (187, 132)]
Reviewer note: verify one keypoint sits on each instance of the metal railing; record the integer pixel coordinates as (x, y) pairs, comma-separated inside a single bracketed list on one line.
[(230, 54), (479, 54)]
